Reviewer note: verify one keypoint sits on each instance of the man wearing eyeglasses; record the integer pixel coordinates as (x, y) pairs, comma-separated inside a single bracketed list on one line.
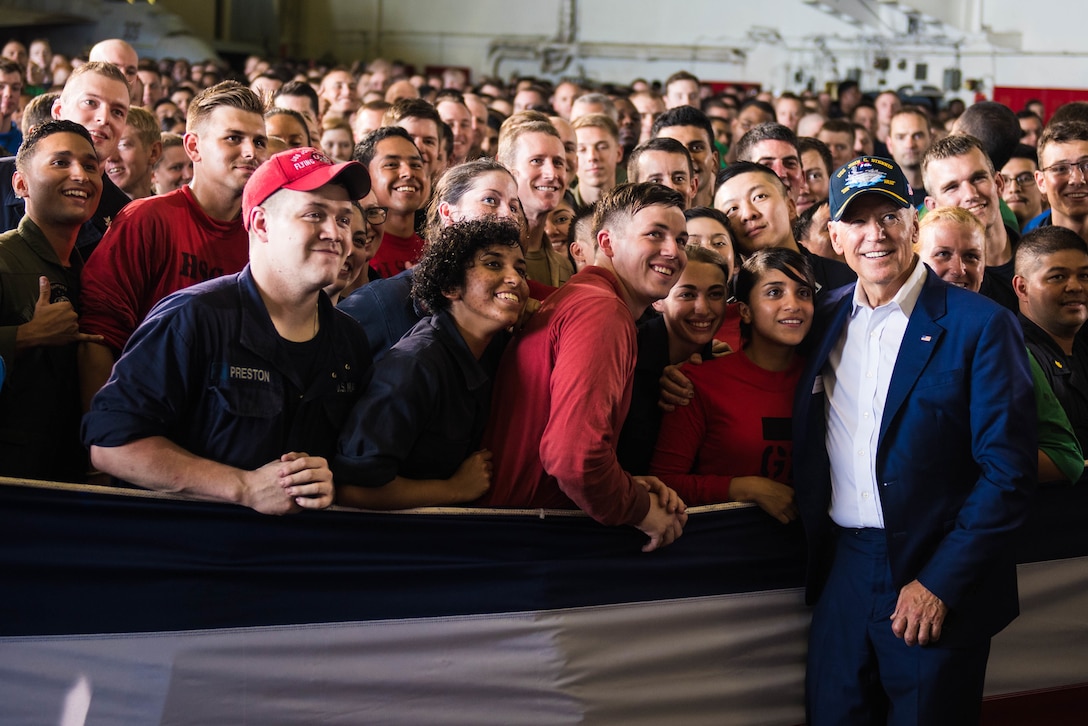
[(1063, 177), (367, 221), (1021, 193), (958, 173)]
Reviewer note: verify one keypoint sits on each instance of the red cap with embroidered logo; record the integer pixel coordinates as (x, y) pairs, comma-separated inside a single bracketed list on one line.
[(303, 170)]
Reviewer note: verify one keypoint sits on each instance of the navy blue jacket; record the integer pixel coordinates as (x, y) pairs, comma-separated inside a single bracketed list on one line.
[(208, 371), (385, 309), (424, 412), (956, 456)]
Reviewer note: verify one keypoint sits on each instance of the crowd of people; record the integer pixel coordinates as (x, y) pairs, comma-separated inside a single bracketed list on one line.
[(294, 286)]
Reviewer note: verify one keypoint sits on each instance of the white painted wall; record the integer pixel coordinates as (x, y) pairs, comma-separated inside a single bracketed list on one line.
[(1054, 42), (1053, 48)]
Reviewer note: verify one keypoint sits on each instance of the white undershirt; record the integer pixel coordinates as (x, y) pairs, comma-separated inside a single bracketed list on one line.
[(856, 377)]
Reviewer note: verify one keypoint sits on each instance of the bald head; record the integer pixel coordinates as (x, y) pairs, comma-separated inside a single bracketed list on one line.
[(118, 53)]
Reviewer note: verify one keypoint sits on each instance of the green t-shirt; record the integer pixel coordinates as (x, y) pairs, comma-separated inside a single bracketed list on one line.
[(1056, 437)]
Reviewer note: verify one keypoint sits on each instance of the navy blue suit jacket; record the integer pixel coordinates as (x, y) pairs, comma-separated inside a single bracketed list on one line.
[(956, 456)]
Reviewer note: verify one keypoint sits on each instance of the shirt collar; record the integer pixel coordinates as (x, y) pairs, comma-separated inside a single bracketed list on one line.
[(907, 296)]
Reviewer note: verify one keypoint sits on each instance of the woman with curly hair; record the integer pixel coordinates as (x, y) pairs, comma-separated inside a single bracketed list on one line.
[(476, 189), (412, 439)]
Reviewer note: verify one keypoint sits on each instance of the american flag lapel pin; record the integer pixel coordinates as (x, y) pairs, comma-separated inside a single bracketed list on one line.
[(927, 338)]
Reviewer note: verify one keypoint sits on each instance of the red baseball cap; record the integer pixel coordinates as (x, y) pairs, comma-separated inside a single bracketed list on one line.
[(303, 170)]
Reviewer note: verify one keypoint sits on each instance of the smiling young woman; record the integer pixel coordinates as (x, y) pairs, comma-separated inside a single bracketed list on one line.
[(733, 441), (414, 438)]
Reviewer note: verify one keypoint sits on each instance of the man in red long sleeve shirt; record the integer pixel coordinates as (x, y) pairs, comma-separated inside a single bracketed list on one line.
[(564, 385)]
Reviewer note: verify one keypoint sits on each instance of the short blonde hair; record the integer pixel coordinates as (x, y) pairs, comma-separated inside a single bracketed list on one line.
[(101, 68), (335, 123), (951, 215), (170, 140), (146, 125), (227, 93), (599, 121), (513, 128)]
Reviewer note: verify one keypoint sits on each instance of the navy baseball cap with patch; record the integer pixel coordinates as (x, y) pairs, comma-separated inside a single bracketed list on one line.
[(867, 175)]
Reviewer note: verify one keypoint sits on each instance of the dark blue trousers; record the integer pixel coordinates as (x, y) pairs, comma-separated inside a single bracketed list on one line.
[(860, 674)]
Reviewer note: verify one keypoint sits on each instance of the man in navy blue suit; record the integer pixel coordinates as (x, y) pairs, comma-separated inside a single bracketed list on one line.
[(914, 459)]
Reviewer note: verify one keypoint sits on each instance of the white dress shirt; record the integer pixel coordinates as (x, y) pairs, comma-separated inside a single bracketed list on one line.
[(856, 378)]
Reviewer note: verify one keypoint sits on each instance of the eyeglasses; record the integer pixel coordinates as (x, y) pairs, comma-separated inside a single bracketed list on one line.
[(1063, 169), (1023, 180), (376, 215)]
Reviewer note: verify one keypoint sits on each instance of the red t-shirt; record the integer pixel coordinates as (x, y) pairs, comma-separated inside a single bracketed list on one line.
[(729, 332), (155, 247), (738, 424), (396, 253)]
